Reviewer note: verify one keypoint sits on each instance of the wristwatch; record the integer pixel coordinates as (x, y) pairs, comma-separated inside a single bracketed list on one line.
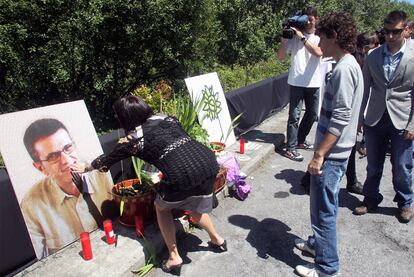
[(303, 39)]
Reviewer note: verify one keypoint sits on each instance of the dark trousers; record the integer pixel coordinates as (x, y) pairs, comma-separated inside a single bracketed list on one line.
[(351, 177), (297, 133), (377, 138)]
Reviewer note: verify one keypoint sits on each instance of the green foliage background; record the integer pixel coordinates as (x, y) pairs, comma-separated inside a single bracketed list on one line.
[(53, 51)]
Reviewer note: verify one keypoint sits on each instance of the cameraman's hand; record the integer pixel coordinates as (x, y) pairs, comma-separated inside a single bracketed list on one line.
[(298, 33)]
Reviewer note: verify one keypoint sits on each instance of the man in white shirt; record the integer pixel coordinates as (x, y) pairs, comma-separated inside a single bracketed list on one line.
[(304, 81)]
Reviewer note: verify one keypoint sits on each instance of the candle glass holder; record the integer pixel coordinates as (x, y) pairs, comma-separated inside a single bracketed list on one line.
[(109, 232), (86, 246)]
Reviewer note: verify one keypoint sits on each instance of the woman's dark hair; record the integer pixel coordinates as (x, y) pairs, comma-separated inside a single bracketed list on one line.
[(363, 40), (367, 38), (341, 26), (131, 111)]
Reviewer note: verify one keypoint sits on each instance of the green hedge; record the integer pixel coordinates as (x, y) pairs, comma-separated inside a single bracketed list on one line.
[(55, 51), (236, 77)]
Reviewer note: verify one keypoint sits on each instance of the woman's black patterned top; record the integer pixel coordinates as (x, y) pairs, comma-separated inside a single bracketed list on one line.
[(184, 162)]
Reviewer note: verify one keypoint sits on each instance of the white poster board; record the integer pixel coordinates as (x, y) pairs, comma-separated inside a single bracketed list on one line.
[(214, 115), (57, 137)]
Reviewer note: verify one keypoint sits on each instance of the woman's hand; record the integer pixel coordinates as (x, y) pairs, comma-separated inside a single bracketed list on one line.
[(77, 180), (80, 167)]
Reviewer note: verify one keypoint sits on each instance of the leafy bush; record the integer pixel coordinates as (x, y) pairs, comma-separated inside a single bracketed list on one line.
[(58, 51), (234, 77), (157, 97), (161, 99)]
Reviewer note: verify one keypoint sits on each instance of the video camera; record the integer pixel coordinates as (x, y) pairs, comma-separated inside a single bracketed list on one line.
[(298, 21)]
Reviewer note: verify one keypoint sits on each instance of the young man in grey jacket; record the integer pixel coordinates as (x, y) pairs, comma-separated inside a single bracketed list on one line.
[(389, 103), (335, 137)]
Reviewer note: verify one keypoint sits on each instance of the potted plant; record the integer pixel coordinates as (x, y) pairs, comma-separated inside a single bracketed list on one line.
[(135, 197), (217, 146)]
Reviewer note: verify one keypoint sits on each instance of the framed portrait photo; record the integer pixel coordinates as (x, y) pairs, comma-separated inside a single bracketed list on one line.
[(39, 146)]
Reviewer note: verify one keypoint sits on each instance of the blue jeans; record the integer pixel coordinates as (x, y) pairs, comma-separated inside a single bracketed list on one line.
[(324, 192), (297, 133), (377, 138)]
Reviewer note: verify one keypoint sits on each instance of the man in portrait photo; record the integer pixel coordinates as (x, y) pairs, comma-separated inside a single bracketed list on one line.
[(56, 209)]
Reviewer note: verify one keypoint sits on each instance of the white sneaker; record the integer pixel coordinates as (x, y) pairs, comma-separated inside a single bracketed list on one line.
[(302, 245), (309, 270)]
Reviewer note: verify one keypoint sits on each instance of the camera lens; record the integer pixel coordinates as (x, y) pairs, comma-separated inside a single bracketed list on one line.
[(288, 33)]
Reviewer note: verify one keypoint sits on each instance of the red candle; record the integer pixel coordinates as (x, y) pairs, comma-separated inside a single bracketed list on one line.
[(241, 145), (109, 232), (139, 226), (86, 246)]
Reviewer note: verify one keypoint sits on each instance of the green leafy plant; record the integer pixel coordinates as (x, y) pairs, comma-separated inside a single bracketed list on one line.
[(186, 112), (199, 134), (143, 186), (142, 176), (232, 126), (150, 262)]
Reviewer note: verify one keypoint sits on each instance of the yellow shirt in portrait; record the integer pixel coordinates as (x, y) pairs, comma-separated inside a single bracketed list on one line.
[(54, 218)]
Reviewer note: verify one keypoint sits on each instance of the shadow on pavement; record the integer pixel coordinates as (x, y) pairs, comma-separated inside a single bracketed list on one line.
[(292, 177), (390, 211), (348, 200), (270, 237), (186, 242), (259, 136)]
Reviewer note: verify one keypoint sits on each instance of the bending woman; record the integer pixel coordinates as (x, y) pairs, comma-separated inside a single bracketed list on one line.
[(189, 169)]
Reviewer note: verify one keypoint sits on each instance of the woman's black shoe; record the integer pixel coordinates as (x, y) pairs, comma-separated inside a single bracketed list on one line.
[(218, 248), (173, 269)]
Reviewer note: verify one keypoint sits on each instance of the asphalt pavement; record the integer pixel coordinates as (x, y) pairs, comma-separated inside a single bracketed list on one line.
[(261, 230)]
